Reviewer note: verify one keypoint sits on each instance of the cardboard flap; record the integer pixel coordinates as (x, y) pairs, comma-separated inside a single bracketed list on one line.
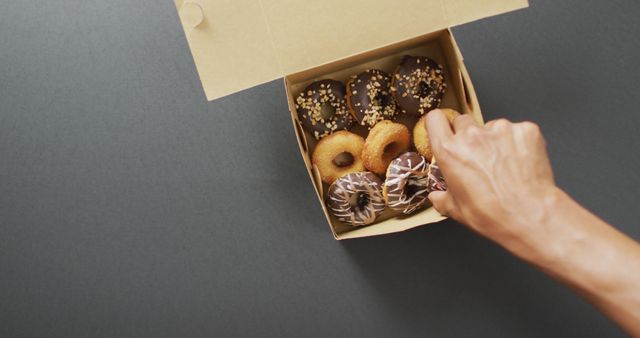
[(230, 44), (463, 11), (237, 44)]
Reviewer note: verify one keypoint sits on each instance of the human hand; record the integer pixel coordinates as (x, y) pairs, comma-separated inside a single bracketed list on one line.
[(501, 185), (499, 178)]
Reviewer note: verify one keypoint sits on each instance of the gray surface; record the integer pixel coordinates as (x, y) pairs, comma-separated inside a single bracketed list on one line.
[(130, 207)]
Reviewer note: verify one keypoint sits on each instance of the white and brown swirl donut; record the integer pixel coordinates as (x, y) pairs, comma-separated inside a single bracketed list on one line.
[(436, 179), (356, 198), (407, 185)]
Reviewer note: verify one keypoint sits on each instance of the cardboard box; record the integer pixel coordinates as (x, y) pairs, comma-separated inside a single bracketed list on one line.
[(237, 44)]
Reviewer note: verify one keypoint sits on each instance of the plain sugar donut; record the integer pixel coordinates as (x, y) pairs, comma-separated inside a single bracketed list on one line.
[(421, 136), (386, 140), (338, 154)]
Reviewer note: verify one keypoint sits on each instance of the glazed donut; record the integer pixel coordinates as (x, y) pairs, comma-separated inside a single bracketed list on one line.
[(421, 136), (385, 141), (418, 84), (338, 154), (407, 185), (369, 97), (356, 198), (322, 108)]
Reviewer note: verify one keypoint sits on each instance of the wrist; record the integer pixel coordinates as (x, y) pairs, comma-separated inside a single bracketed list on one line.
[(531, 232)]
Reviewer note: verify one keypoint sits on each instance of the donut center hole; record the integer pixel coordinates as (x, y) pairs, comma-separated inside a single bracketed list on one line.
[(411, 188), (359, 201), (344, 159), (382, 100), (390, 151), (327, 110), (424, 89)]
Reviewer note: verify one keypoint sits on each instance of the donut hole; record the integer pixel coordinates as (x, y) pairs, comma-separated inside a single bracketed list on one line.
[(327, 110), (343, 160), (390, 151), (359, 201), (382, 100), (424, 89), (411, 188)]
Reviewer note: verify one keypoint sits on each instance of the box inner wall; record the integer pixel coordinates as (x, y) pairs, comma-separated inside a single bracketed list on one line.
[(438, 46)]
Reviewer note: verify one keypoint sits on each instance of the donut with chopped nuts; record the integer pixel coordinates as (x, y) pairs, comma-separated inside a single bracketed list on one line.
[(356, 198), (421, 136), (418, 85), (322, 108), (407, 184), (338, 154), (385, 141), (369, 97)]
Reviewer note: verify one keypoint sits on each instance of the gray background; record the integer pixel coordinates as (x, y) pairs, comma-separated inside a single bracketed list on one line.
[(131, 207)]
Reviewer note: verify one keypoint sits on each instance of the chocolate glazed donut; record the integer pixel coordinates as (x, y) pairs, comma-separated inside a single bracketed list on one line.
[(418, 84), (407, 185), (356, 198), (369, 97), (322, 108)]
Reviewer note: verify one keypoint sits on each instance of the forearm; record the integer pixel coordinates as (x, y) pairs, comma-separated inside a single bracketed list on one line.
[(579, 249)]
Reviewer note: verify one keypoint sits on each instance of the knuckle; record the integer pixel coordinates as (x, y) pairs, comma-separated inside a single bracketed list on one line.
[(472, 132), (530, 127), (500, 124)]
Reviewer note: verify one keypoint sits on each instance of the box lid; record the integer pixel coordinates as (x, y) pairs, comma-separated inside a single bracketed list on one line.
[(237, 44)]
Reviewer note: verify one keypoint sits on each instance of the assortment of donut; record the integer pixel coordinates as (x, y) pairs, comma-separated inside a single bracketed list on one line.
[(385, 169)]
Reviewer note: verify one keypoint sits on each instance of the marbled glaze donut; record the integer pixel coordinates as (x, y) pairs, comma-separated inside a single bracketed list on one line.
[(407, 185), (436, 179), (418, 84), (356, 198), (421, 135), (369, 97), (322, 108), (338, 154)]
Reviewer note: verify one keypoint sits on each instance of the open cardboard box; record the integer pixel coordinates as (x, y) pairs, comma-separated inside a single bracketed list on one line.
[(237, 44)]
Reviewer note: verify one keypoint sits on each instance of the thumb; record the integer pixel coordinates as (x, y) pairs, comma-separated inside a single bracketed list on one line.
[(442, 201)]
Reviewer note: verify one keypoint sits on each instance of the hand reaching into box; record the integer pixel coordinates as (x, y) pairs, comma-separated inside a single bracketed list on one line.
[(496, 173), (501, 185)]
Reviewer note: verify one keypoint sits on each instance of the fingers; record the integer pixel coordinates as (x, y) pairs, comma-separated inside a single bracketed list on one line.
[(443, 202), (462, 122), (438, 127), (499, 124)]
